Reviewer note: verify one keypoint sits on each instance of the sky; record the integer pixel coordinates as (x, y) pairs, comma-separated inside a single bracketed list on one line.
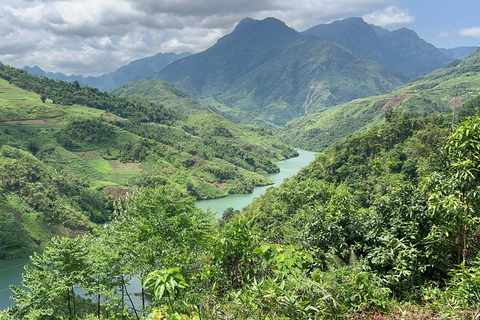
[(94, 37)]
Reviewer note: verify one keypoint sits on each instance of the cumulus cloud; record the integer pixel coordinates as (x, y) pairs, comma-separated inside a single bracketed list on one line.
[(92, 37), (470, 32), (391, 16)]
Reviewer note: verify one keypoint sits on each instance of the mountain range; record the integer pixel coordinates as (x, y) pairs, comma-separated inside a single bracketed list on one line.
[(441, 91), (133, 71), (267, 69), (266, 73), (402, 49)]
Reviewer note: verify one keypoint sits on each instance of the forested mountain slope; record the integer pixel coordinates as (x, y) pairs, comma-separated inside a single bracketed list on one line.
[(402, 49), (268, 70), (321, 246), (97, 142), (440, 91)]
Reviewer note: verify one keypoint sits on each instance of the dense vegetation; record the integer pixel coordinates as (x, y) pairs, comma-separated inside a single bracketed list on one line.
[(382, 225), (106, 146), (163, 93), (440, 91), (396, 237)]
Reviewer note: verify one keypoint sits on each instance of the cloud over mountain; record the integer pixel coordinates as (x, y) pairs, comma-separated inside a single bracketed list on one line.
[(61, 35)]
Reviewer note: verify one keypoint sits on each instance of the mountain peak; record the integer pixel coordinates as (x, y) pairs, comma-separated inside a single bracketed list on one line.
[(263, 31), (268, 25), (401, 49), (36, 70)]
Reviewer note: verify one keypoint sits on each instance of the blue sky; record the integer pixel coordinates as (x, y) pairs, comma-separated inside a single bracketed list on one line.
[(93, 37), (445, 23)]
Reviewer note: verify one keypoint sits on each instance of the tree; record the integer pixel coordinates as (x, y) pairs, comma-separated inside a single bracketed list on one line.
[(50, 281), (460, 191)]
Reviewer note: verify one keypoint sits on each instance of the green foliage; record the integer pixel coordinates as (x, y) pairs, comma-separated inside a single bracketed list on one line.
[(165, 282), (30, 186), (444, 91), (75, 151), (67, 94)]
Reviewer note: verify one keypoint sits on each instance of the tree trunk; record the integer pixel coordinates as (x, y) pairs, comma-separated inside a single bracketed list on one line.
[(73, 298), (131, 301), (68, 299), (98, 306)]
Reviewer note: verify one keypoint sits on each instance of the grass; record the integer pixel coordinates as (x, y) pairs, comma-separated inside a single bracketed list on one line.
[(102, 166), (18, 104)]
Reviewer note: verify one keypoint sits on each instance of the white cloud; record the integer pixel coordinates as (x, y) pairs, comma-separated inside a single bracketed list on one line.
[(391, 16), (443, 34), (470, 32), (53, 33)]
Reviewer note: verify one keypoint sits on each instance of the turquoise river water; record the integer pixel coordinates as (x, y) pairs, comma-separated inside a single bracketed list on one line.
[(11, 270)]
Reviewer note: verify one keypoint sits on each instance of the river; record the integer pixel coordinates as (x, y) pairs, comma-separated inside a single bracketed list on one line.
[(11, 270), (287, 167)]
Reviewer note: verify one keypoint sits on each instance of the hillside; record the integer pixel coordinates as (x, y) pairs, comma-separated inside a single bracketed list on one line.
[(128, 73), (126, 144), (382, 225), (402, 49), (439, 91), (271, 72), (165, 94)]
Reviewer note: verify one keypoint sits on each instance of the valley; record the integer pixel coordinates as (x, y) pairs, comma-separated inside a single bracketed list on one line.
[(185, 178)]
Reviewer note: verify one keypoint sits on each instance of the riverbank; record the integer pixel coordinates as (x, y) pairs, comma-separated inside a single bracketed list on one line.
[(287, 167), (11, 270)]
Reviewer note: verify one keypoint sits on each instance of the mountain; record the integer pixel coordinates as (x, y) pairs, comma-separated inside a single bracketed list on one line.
[(400, 49), (440, 91), (458, 53), (66, 151), (273, 73), (128, 73)]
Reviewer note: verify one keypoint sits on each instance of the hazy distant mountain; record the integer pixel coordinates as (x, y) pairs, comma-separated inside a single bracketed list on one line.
[(271, 71), (400, 49), (128, 73), (458, 53)]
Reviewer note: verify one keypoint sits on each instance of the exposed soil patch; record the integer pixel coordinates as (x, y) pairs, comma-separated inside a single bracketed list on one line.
[(117, 192), (456, 101), (50, 120), (111, 117), (221, 186), (394, 101), (119, 167), (294, 123), (89, 155)]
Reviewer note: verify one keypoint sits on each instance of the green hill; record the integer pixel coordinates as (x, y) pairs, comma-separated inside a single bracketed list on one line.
[(440, 91), (106, 146), (271, 72), (163, 93)]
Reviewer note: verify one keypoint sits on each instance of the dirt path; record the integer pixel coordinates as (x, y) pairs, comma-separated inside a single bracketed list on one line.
[(50, 120)]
